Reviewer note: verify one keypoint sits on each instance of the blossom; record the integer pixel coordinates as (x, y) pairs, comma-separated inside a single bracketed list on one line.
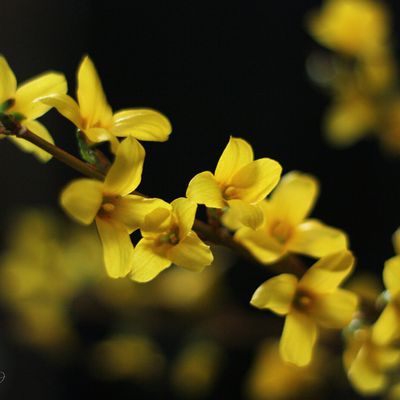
[(21, 103), (124, 356), (168, 238), (314, 300), (270, 378), (387, 327), (352, 27), (93, 115), (367, 363), (116, 212), (238, 184), (351, 116), (285, 228)]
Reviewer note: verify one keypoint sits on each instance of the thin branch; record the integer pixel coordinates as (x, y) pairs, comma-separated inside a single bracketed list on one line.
[(215, 235), (9, 126)]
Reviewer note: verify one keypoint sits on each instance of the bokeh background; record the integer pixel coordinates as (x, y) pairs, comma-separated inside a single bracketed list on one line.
[(215, 69)]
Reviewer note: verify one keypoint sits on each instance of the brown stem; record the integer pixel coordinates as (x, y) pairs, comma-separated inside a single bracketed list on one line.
[(288, 264), (10, 126), (212, 234)]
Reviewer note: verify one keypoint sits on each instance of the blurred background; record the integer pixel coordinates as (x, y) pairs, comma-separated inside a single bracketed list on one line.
[(215, 69)]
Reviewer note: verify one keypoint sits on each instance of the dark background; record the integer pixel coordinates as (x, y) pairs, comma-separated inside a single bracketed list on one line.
[(215, 69)]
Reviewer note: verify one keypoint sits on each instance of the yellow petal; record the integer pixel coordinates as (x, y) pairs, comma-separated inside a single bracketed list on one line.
[(26, 98), (91, 98), (204, 189), (8, 83), (191, 253), (328, 272), (185, 212), (125, 173), (82, 199), (158, 220), (298, 339), (97, 135), (335, 310), (294, 197), (147, 263), (396, 241), (247, 214), (363, 374), (386, 328), (143, 124), (317, 240), (391, 275), (131, 210), (117, 247), (236, 155), (387, 358), (262, 246), (40, 130), (254, 181), (65, 105), (276, 294)]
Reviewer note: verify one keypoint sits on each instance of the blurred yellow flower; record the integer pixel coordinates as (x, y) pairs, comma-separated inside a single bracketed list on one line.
[(390, 126), (367, 363), (352, 27), (394, 392), (22, 103), (314, 300), (168, 238), (238, 183), (351, 117), (387, 327), (93, 115), (270, 378), (285, 228), (116, 212), (195, 369), (127, 356), (42, 273)]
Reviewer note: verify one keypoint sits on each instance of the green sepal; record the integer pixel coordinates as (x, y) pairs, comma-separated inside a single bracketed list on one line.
[(6, 105), (87, 153)]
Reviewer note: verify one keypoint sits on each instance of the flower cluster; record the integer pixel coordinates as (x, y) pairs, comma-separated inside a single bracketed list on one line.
[(372, 352), (360, 74), (250, 208)]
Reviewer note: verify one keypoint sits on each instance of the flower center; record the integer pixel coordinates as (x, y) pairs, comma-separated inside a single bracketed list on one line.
[(229, 193), (108, 207), (303, 300), (170, 237), (281, 231)]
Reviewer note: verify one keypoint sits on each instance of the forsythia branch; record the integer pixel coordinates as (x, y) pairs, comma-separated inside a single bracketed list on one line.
[(220, 236), (12, 127)]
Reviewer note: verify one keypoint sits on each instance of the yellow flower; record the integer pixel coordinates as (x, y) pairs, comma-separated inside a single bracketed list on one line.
[(351, 117), (387, 327), (195, 369), (352, 27), (168, 238), (270, 378), (390, 129), (127, 356), (367, 363), (22, 104), (238, 183), (285, 228), (116, 212), (93, 115), (314, 300)]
